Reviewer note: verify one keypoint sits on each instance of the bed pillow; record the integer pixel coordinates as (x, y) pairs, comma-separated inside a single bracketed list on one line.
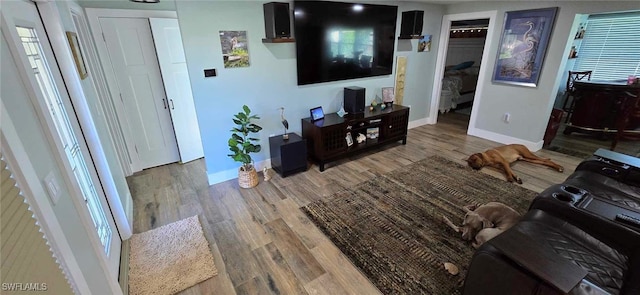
[(462, 66)]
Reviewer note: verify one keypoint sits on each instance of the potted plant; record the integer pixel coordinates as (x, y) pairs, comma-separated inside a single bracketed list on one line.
[(242, 145)]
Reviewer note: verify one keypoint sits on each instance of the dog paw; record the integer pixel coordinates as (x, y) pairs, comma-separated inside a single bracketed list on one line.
[(561, 169), (518, 180)]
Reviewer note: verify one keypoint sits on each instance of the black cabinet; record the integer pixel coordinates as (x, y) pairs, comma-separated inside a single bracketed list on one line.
[(288, 156), (326, 138)]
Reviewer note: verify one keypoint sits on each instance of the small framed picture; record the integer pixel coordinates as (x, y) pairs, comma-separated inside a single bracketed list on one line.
[(317, 114), (388, 94), (349, 139)]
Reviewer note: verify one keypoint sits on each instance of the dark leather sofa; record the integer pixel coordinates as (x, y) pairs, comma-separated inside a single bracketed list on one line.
[(570, 241)]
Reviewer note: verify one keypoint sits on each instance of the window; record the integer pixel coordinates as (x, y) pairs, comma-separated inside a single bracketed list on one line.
[(58, 113), (611, 47)]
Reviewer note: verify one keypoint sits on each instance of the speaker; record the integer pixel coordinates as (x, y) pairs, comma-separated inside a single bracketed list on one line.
[(354, 100), (411, 24), (277, 23)]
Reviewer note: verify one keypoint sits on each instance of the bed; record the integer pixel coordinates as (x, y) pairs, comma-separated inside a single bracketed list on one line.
[(455, 84)]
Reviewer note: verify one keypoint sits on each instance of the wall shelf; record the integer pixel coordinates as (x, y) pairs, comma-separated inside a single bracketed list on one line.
[(409, 37), (278, 40)]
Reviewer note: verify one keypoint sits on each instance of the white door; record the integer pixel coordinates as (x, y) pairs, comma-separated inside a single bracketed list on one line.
[(135, 64), (31, 50), (173, 66)]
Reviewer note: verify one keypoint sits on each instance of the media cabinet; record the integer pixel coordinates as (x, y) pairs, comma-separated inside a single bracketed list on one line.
[(327, 138)]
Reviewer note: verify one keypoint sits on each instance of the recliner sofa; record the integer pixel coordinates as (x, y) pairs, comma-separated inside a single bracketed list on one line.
[(571, 240)]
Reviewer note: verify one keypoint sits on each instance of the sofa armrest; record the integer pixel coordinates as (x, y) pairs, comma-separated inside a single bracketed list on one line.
[(539, 259)]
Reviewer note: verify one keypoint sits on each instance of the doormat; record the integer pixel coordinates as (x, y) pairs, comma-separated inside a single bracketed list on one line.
[(169, 259), (391, 226)]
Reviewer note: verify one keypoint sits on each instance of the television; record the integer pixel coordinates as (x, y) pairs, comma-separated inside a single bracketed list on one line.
[(339, 41)]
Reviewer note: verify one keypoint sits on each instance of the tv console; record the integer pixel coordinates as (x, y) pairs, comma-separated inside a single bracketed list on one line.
[(327, 138)]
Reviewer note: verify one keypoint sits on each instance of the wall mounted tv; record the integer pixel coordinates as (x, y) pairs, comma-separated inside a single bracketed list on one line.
[(340, 41)]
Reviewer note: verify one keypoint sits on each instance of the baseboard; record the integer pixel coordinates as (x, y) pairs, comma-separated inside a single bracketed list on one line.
[(418, 123), (128, 211), (225, 175), (123, 278), (505, 139)]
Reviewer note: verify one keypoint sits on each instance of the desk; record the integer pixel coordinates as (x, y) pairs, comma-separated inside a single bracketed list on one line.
[(598, 106)]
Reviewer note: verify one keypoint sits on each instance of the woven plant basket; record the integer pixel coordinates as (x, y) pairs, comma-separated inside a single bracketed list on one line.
[(247, 178)]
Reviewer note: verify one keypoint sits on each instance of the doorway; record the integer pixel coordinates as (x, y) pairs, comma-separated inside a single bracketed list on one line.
[(462, 66), (463, 47), (146, 74)]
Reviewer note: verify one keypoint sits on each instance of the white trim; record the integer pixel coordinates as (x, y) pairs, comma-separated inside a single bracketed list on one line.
[(443, 44), (35, 194), (93, 17), (96, 76), (505, 139), (49, 14), (51, 20), (233, 173), (418, 123)]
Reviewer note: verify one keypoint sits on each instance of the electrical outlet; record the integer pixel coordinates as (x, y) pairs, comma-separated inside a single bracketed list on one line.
[(506, 117)]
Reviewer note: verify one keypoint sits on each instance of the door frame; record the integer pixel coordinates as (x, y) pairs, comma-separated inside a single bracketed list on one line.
[(50, 19), (484, 72), (93, 17), (99, 82)]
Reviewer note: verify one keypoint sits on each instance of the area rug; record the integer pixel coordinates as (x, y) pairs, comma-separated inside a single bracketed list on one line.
[(170, 258), (570, 152), (391, 226)]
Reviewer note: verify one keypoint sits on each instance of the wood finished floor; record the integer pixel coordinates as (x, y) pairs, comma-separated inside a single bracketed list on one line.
[(263, 243)]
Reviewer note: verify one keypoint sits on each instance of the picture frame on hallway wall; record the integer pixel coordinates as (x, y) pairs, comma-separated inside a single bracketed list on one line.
[(523, 45), (72, 38)]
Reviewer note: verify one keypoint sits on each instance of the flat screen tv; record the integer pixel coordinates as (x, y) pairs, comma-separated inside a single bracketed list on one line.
[(340, 41)]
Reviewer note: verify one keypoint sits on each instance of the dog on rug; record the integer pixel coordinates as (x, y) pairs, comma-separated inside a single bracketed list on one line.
[(482, 223), (502, 157)]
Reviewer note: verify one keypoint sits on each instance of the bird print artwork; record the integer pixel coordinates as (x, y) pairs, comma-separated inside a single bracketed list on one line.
[(285, 123), (520, 53)]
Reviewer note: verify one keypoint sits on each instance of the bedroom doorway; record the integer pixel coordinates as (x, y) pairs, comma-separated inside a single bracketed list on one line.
[(461, 67)]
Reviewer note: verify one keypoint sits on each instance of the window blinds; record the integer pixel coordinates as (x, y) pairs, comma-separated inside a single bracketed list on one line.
[(28, 265), (611, 46)]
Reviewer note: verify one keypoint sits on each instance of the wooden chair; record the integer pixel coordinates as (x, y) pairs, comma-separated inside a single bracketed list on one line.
[(628, 121), (569, 102)]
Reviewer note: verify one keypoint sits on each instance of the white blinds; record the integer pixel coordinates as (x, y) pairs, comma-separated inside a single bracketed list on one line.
[(28, 265), (611, 46)]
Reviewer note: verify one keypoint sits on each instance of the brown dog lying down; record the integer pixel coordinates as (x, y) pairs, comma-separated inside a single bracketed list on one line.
[(483, 223), (502, 156)]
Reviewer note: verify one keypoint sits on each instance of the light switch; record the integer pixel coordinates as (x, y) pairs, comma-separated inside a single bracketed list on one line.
[(210, 73), (51, 184)]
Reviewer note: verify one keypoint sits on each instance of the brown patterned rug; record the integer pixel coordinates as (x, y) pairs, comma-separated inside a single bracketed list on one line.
[(391, 226)]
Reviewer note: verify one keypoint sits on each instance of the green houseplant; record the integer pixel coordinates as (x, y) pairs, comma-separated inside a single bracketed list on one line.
[(241, 145)]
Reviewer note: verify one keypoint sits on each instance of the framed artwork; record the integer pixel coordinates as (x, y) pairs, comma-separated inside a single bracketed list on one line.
[(523, 45), (387, 94), (401, 68), (235, 49), (72, 38), (424, 44)]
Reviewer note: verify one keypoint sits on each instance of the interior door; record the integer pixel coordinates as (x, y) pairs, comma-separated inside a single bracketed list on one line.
[(173, 66), (133, 58), (24, 32)]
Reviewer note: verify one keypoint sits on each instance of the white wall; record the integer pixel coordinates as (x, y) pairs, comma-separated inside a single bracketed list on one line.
[(465, 49), (126, 4), (530, 107), (271, 80)]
